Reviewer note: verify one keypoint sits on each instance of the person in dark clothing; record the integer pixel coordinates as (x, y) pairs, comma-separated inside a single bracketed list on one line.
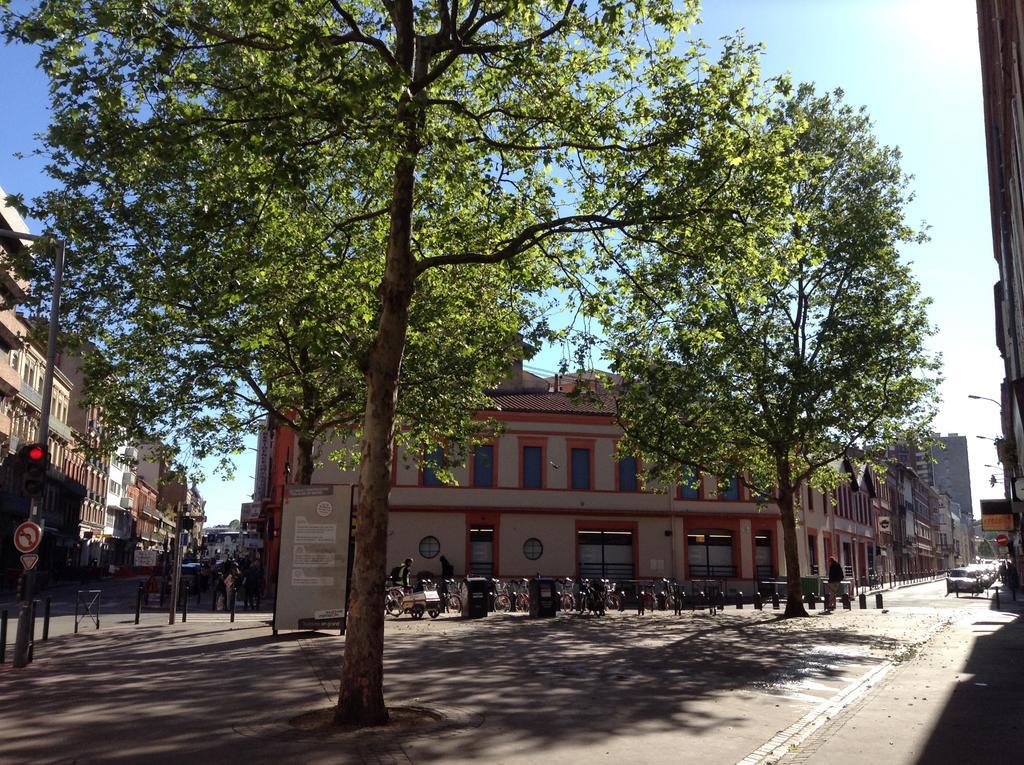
[(253, 584), (447, 572), (835, 581)]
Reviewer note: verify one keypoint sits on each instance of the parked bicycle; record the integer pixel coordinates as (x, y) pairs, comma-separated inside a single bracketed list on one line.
[(452, 596), (592, 596), (567, 598)]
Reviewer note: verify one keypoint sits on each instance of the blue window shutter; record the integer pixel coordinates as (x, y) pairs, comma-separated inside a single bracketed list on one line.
[(435, 457), (627, 474), (483, 466), (581, 469), (532, 474)]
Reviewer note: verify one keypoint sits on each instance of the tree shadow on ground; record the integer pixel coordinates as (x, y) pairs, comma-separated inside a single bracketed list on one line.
[(576, 679), (158, 694)]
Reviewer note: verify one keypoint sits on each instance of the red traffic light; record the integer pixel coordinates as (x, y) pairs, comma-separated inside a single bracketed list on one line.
[(34, 459)]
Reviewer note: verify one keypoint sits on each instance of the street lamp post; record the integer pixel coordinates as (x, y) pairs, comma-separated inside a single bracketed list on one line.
[(24, 634)]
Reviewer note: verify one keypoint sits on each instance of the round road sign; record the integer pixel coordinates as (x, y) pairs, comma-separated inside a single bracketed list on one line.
[(27, 537), (1002, 539)]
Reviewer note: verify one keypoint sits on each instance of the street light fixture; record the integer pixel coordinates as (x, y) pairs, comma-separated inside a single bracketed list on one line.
[(985, 398), (24, 635)]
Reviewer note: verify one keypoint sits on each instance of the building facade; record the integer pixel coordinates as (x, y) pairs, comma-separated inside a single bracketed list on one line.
[(1000, 37), (22, 371), (551, 495)]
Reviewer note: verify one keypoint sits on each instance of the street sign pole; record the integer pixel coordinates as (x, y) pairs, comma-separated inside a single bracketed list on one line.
[(24, 634), (176, 571)]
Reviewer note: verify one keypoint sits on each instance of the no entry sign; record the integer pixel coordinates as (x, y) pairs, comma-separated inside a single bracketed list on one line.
[(27, 537), (1002, 539)]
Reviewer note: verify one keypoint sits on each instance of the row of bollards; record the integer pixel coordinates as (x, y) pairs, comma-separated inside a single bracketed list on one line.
[(717, 602), (32, 617), (140, 597)]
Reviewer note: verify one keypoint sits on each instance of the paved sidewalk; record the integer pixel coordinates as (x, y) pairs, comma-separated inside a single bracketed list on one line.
[(956, 701), (504, 689)]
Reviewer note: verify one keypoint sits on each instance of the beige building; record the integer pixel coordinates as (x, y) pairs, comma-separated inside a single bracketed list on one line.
[(551, 496)]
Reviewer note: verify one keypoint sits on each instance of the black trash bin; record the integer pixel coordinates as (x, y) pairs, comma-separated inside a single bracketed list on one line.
[(543, 598), (477, 596)]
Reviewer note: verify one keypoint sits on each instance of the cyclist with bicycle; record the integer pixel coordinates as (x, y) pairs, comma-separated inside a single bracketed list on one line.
[(835, 582)]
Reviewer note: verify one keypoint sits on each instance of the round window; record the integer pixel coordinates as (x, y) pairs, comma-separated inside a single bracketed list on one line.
[(429, 547), (532, 548)]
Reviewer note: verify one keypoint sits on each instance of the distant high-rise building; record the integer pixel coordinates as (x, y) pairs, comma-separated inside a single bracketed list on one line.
[(950, 472), (945, 467)]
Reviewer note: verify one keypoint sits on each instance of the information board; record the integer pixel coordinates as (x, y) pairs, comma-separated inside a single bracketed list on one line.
[(313, 576), (145, 557)]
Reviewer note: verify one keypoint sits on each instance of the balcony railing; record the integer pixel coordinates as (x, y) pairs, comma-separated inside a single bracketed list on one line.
[(712, 571)]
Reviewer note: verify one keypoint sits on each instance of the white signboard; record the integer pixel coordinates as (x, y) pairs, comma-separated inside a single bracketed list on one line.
[(145, 557), (251, 511), (315, 527)]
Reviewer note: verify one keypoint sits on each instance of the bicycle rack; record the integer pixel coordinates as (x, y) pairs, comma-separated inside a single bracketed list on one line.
[(92, 607)]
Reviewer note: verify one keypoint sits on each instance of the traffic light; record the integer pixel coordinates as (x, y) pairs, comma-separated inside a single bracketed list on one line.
[(34, 459), (188, 523)]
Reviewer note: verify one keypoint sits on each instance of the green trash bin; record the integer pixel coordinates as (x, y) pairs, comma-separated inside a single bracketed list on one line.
[(810, 585)]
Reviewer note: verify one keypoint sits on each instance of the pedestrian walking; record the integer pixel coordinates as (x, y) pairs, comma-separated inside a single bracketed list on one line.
[(253, 583), (835, 582), (1012, 576)]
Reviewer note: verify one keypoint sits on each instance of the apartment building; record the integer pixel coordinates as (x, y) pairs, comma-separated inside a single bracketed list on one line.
[(1000, 38)]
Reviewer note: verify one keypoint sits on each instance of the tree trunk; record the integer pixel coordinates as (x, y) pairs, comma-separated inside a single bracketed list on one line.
[(361, 697), (787, 492), (304, 460)]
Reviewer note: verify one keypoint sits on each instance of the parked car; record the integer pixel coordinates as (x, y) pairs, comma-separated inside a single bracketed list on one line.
[(985, 573), (963, 580)]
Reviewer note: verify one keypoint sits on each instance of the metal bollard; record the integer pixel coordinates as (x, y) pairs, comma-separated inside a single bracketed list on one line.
[(46, 619), (862, 600), (997, 599), (775, 599), (758, 602), (3, 635), (232, 598), (32, 631), (878, 600), (184, 605), (739, 600), (138, 604), (846, 601), (812, 602)]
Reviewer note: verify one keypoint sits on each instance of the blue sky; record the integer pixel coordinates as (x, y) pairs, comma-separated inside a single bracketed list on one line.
[(914, 65)]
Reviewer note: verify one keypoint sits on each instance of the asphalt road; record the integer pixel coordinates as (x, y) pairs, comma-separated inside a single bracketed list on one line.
[(933, 595), (113, 601)]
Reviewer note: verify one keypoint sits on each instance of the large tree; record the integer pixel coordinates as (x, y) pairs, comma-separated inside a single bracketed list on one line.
[(457, 151), (775, 365)]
